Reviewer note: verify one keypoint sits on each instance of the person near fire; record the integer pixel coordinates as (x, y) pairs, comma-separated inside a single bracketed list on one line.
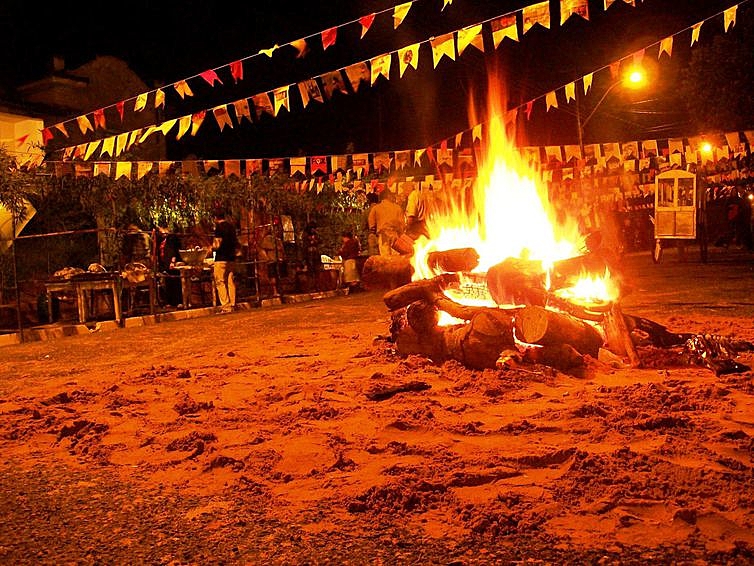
[(387, 220), (272, 252), (224, 244), (349, 253), (168, 254), (416, 212)]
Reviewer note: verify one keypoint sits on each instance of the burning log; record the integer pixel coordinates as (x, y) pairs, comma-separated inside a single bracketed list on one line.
[(424, 290), (461, 259), (386, 272), (537, 325), (566, 271), (478, 344), (518, 281), (422, 317), (619, 337)]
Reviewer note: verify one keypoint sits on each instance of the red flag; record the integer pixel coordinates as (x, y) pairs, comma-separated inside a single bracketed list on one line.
[(529, 106), (121, 107), (366, 23), (319, 163), (328, 37), (210, 76), (236, 70), (99, 118), (46, 136)]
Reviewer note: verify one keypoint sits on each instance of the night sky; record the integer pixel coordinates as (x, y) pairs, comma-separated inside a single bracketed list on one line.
[(164, 42)]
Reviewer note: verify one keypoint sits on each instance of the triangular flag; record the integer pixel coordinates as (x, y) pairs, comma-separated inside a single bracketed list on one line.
[(222, 116), (366, 23), (133, 137), (184, 123), (163, 167), (210, 164), (551, 100), (121, 140), (408, 56), (232, 167), (211, 77), (262, 104), (443, 45), (99, 118), (236, 70), (61, 128), (142, 168), (587, 80), (159, 98), (570, 92), (242, 110), (84, 124), (253, 166), (301, 48), (471, 35), (695, 33), (614, 69), (445, 3), (333, 82), (309, 90), (328, 37), (196, 121), (729, 17), (476, 133), (529, 107), (638, 56), (402, 158), (141, 102), (399, 13), (121, 106), (537, 14), (182, 88), (280, 96), (108, 145), (123, 169), (318, 164), (502, 28), (459, 137), (149, 131), (418, 157), (103, 168), (298, 165), (381, 66), (570, 7), (269, 51), (46, 136), (165, 127), (91, 148), (356, 73), (666, 46)]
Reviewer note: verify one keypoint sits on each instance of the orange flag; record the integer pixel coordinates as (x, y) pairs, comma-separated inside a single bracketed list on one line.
[(242, 110), (356, 73), (182, 88), (309, 90), (84, 124), (159, 98), (301, 47), (222, 116), (333, 81), (121, 106), (666, 46), (262, 104), (280, 95), (570, 7), (62, 129), (328, 37), (196, 121), (729, 18), (99, 118)]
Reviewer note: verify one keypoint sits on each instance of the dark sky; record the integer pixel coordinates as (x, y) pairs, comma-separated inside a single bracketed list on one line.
[(167, 41)]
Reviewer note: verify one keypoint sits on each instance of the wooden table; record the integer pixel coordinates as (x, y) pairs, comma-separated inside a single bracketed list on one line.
[(191, 274), (83, 289)]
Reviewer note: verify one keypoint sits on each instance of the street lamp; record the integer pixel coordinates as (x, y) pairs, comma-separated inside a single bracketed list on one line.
[(635, 78)]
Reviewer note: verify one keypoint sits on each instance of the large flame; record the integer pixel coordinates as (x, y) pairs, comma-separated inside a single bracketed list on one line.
[(505, 214)]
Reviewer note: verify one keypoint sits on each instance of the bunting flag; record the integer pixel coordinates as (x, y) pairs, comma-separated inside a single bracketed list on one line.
[(67, 153), (360, 163), (183, 89), (551, 100), (445, 157), (471, 35), (666, 46), (615, 69), (609, 3), (132, 137), (408, 56), (382, 161), (638, 56), (196, 121), (275, 166), (269, 51), (222, 116), (729, 17), (301, 47), (309, 90), (142, 168), (381, 66), (418, 157), (695, 33), (587, 80), (402, 159), (298, 165), (366, 23), (445, 3), (148, 132), (210, 164), (211, 77), (629, 150), (232, 167), (253, 166), (328, 37), (141, 102), (84, 124), (262, 104), (611, 150), (733, 139), (91, 148), (333, 82), (165, 127), (121, 141), (399, 14), (572, 152), (103, 168), (61, 128), (242, 110), (675, 146), (529, 107), (476, 133), (356, 73), (443, 46), (159, 98), (121, 107), (189, 168), (163, 167), (318, 164), (99, 118), (649, 148), (570, 92), (537, 14), (280, 96), (459, 139), (81, 170), (338, 163), (123, 169), (502, 28), (236, 71), (571, 7), (46, 135), (184, 123)]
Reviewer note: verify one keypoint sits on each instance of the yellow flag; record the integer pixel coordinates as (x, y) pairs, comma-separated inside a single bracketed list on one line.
[(502, 28), (182, 88), (399, 13), (571, 7), (587, 82), (381, 66), (184, 123), (443, 45), (570, 92), (165, 127), (120, 143), (408, 56), (91, 148), (666, 45), (142, 168), (729, 17), (695, 33), (84, 124), (537, 14), (159, 98), (123, 169), (551, 99), (141, 102), (471, 35), (108, 144)]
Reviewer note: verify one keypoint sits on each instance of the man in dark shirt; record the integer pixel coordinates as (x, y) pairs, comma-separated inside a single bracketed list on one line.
[(224, 245)]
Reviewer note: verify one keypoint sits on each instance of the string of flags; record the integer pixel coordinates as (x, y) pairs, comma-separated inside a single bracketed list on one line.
[(443, 46)]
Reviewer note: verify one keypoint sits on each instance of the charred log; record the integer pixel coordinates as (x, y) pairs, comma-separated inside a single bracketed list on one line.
[(559, 356), (386, 272), (537, 325), (422, 316), (461, 259), (618, 337), (424, 290), (517, 281)]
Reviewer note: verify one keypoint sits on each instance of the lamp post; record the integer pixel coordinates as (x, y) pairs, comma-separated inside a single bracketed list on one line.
[(634, 79)]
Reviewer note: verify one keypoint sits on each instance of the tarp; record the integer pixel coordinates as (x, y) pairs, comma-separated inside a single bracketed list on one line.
[(6, 224)]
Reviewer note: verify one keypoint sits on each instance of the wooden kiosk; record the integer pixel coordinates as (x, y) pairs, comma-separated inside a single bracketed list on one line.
[(676, 207)]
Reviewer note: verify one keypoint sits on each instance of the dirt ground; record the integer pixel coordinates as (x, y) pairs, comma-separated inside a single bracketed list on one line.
[(268, 437)]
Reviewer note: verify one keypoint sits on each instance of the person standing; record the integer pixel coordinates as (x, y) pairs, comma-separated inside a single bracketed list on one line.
[(224, 245), (168, 254), (387, 220), (373, 245), (312, 254), (416, 213), (349, 253)]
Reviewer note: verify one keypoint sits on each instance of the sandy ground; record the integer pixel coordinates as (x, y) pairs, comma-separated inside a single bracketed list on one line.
[(256, 438)]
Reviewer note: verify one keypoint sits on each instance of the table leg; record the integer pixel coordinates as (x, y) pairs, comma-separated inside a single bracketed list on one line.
[(49, 307), (81, 304), (116, 302)]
